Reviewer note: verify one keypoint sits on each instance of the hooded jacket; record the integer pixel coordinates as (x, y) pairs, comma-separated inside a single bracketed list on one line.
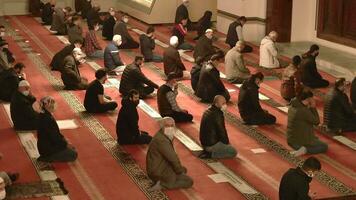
[(301, 120), (268, 53)]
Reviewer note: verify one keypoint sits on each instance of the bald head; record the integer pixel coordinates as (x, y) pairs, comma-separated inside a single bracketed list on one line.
[(219, 101)]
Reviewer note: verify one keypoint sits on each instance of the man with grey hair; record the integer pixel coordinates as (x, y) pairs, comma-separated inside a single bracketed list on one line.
[(235, 69), (213, 134), (22, 112), (162, 163), (172, 61), (269, 51), (70, 74), (112, 58)]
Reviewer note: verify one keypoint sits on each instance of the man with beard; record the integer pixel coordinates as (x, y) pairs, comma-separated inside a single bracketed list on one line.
[(127, 129)]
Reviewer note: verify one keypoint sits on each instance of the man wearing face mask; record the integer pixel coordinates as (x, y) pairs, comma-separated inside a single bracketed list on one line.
[(167, 101), (295, 182), (95, 100), (249, 105), (209, 84), (204, 47), (235, 68), (127, 129), (92, 47), (120, 28), (9, 81), (133, 78), (309, 73), (112, 58), (147, 45), (302, 117), (162, 163), (339, 115), (213, 134), (108, 25), (70, 74), (23, 115)]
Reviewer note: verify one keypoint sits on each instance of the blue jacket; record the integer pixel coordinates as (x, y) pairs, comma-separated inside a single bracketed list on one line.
[(112, 57)]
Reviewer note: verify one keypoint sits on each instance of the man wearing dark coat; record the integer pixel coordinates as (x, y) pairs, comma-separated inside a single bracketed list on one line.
[(35, 7), (213, 135), (120, 28), (70, 73), (339, 115), (108, 25), (127, 129), (172, 62), (309, 73), (57, 60), (235, 34), (47, 12), (23, 115), (59, 21), (75, 31), (204, 47), (195, 73), (209, 84), (249, 105), (93, 16), (133, 78), (353, 93), (295, 182), (9, 81), (147, 45)]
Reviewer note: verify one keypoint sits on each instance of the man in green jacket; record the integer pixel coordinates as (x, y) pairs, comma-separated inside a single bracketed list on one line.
[(162, 163), (302, 117)]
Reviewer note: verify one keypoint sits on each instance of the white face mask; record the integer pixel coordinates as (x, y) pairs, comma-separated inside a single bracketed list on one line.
[(223, 107), (119, 43), (126, 20), (311, 174), (2, 34), (169, 132), (26, 92), (3, 194)]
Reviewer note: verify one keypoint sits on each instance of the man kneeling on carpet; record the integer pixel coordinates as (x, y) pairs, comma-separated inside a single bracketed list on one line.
[(302, 117), (295, 182), (95, 100), (127, 129), (213, 134), (70, 73), (162, 163), (51, 144)]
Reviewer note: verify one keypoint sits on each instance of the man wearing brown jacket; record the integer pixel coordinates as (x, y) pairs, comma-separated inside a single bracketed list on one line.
[(162, 163), (172, 61)]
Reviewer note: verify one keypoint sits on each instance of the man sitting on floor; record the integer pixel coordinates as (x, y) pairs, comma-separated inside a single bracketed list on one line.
[(210, 84), (51, 144), (249, 105), (23, 115), (133, 78), (269, 51), (9, 81), (235, 34), (295, 182), (108, 25), (302, 117), (235, 69), (47, 12), (195, 72), (57, 60), (213, 134), (59, 21), (70, 74), (162, 163), (180, 31), (204, 47), (95, 101), (75, 31), (120, 28), (172, 61), (127, 129), (167, 101), (353, 93), (309, 73), (93, 16), (147, 45), (112, 60), (339, 115), (4, 61), (92, 46)]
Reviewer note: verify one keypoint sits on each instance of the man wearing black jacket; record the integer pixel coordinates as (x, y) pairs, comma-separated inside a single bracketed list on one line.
[(295, 182), (23, 115), (133, 78), (120, 28), (339, 115), (213, 134), (147, 45), (47, 12), (249, 105), (127, 129), (204, 47), (108, 25), (9, 81)]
